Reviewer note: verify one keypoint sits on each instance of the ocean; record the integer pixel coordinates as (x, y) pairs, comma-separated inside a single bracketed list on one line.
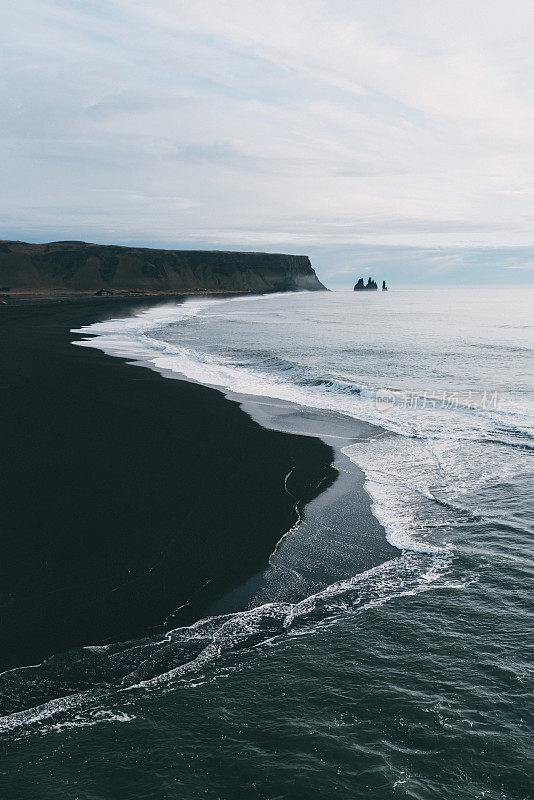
[(409, 679)]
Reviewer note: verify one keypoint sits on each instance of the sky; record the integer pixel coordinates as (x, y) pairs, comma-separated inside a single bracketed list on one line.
[(394, 135)]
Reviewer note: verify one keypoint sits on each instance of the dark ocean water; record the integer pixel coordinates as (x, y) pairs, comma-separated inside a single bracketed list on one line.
[(412, 679)]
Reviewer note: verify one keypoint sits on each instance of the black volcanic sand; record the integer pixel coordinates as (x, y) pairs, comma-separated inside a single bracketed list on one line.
[(132, 503), (125, 495)]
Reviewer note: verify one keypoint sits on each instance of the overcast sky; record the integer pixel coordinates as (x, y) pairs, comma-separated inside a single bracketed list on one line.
[(393, 133)]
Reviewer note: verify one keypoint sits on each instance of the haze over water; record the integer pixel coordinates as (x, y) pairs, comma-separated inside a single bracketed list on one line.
[(411, 680)]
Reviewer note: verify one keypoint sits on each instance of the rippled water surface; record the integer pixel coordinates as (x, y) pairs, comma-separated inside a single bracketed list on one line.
[(413, 679)]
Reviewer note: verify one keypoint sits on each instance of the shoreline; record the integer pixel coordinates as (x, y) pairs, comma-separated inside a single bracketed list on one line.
[(343, 504), (124, 493), (113, 295), (92, 558)]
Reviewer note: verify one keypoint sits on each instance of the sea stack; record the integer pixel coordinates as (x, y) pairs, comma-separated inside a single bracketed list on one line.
[(384, 287), (370, 286)]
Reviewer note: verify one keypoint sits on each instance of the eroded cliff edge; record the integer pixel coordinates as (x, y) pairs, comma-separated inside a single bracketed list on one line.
[(84, 267)]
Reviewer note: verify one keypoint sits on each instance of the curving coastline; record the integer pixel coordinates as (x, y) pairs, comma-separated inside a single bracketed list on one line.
[(127, 499)]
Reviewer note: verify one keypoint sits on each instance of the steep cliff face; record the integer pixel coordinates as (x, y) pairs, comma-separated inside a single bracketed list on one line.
[(80, 267)]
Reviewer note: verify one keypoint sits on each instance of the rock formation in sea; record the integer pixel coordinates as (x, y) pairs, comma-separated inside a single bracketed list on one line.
[(370, 286), (83, 267), (384, 287)]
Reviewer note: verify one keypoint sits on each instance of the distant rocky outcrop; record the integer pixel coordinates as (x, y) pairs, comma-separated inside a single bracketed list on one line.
[(384, 287), (83, 267), (370, 286)]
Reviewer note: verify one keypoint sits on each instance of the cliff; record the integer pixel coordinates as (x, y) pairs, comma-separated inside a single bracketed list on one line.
[(83, 267)]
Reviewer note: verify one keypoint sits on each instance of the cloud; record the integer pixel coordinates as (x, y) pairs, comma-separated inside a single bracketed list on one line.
[(306, 123)]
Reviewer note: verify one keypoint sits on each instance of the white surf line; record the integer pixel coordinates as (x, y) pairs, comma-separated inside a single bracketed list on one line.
[(300, 517), (295, 524)]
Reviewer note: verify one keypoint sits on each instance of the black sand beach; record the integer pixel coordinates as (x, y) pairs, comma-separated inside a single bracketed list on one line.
[(129, 502)]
